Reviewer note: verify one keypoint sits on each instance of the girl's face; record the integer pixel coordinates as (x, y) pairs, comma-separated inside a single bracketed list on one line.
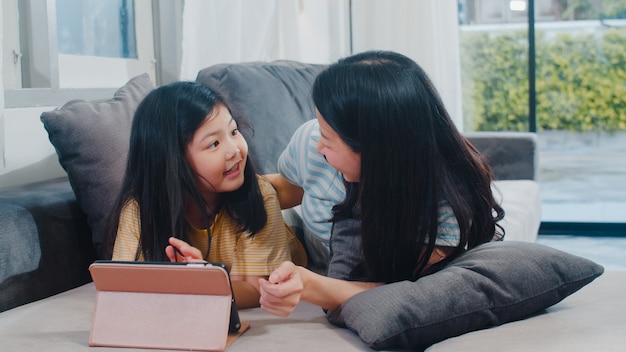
[(338, 154), (217, 153)]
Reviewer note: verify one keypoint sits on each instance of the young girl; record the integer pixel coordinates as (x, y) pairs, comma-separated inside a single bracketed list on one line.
[(418, 194), (189, 186)]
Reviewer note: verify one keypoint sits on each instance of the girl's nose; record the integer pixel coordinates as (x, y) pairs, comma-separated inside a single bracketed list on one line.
[(233, 153)]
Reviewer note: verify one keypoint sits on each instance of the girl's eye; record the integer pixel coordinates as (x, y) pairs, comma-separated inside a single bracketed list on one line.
[(234, 132), (213, 145)]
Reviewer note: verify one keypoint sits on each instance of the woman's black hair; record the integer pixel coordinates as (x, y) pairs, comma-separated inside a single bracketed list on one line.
[(159, 178), (383, 105)]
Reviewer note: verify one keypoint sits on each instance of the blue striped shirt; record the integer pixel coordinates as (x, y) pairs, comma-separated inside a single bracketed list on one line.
[(302, 165)]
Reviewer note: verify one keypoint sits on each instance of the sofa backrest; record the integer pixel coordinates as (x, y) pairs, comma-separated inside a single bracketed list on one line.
[(274, 97)]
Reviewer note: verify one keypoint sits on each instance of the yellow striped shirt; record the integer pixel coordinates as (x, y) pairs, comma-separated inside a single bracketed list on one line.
[(243, 255)]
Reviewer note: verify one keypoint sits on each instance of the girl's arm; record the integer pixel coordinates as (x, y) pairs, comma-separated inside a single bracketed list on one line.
[(289, 284), (246, 291), (128, 230), (245, 288), (275, 242)]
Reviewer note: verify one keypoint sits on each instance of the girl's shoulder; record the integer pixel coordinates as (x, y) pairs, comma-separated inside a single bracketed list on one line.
[(130, 205), (264, 185)]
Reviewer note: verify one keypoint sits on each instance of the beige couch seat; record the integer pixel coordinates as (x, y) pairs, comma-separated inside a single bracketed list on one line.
[(591, 319)]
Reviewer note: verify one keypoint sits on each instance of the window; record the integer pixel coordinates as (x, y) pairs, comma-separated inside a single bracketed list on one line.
[(49, 48), (96, 28), (579, 69)]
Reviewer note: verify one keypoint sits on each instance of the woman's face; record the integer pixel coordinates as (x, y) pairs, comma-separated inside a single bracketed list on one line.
[(217, 153), (338, 154)]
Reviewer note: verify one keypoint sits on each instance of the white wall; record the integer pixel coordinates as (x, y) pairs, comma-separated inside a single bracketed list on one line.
[(424, 30), (29, 154), (26, 154), (312, 31)]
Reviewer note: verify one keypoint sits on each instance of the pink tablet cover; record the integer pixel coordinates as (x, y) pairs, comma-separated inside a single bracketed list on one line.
[(161, 306)]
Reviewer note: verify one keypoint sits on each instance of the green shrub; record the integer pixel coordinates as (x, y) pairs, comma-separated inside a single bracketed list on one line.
[(580, 81)]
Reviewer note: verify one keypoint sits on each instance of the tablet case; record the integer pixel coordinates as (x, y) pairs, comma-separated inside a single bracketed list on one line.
[(162, 305)]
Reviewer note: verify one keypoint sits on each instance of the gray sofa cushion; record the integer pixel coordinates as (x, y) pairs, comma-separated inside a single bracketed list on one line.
[(91, 140), (273, 97), (511, 155), (490, 285), (18, 231), (45, 250)]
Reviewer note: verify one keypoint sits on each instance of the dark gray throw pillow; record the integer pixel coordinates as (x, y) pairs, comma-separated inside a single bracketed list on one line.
[(91, 139), (495, 283)]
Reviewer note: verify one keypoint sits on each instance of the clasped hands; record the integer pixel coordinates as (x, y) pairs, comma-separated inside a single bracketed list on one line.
[(282, 291)]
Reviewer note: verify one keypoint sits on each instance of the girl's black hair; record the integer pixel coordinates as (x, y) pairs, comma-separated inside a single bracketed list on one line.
[(383, 105), (159, 178)]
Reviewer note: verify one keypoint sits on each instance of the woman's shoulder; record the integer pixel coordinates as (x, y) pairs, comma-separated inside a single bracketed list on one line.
[(306, 130)]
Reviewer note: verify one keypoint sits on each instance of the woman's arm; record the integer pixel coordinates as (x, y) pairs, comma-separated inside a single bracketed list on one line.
[(289, 195), (289, 284)]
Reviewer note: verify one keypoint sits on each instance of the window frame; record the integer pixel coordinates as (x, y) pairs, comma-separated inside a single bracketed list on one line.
[(39, 61), (586, 228)]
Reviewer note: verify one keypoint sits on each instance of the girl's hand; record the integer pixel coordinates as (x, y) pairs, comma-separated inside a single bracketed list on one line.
[(181, 251), (281, 293)]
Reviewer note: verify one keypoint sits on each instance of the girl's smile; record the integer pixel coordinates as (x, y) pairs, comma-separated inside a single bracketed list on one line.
[(233, 172)]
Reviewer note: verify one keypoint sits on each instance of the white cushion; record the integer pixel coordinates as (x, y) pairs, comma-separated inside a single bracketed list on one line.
[(521, 201)]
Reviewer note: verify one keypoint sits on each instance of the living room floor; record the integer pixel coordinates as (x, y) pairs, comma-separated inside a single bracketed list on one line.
[(609, 252)]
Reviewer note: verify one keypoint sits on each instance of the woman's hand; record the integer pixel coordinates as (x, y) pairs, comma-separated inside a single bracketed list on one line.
[(290, 284), (181, 251), (281, 293)]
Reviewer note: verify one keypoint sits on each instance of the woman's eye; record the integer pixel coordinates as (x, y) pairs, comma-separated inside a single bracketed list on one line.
[(213, 145), (234, 132)]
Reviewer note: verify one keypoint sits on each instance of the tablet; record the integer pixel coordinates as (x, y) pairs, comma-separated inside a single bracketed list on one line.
[(163, 305)]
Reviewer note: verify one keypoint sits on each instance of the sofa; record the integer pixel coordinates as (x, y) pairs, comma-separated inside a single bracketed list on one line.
[(52, 230)]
